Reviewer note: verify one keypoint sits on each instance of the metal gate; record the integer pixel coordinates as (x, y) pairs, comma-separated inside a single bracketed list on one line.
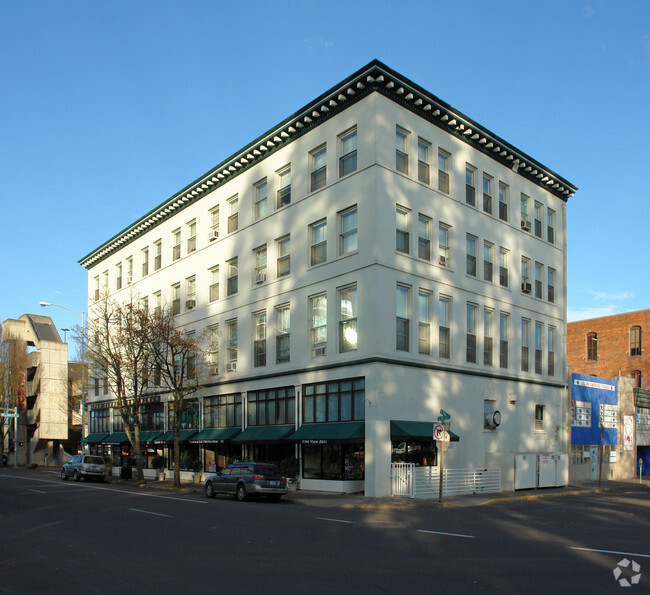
[(401, 479), (424, 482)]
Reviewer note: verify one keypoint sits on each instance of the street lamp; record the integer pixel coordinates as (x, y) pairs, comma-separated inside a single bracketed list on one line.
[(83, 364)]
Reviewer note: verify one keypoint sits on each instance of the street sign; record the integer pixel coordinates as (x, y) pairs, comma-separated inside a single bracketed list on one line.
[(444, 416), (10, 414), (440, 434)]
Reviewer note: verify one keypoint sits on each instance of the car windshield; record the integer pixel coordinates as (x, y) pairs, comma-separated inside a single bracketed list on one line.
[(94, 460)]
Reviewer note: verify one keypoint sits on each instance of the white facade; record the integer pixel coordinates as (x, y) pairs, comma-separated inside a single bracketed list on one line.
[(396, 244)]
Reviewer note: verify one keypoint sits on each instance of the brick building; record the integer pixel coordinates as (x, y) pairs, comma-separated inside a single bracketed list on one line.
[(610, 346)]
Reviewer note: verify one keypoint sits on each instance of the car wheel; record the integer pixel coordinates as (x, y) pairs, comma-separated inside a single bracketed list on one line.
[(209, 490), (77, 477), (240, 494), (64, 475)]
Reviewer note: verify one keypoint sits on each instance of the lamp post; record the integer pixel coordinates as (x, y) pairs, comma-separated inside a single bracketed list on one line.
[(83, 365)]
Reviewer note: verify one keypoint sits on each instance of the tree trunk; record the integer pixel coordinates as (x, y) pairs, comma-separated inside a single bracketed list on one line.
[(177, 458)]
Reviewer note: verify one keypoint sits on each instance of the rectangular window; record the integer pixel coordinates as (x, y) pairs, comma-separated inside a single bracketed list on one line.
[(176, 244), (402, 238), (402, 312), (592, 347), (503, 267), (348, 152), (488, 261), (222, 411), (401, 150), (444, 331), (318, 242), (260, 264), (444, 245), (105, 281), (550, 226), (424, 158), (145, 262), (129, 270), (214, 223), (424, 237), (157, 303), (488, 316), (470, 268), (539, 213), (190, 301), (470, 348), (539, 333), (503, 201), (191, 236), (283, 248), (504, 332), (444, 162), (424, 322), (342, 400), (232, 280), (539, 283), (318, 309), (283, 334), (118, 276), (176, 298), (214, 283), (260, 191), (232, 338), (525, 345), (551, 285), (539, 418), (551, 350), (348, 231), (470, 185), (635, 340), (348, 319), (259, 339), (272, 407), (212, 355), (284, 187), (157, 259), (525, 215), (233, 214), (318, 159), (525, 275), (487, 194)]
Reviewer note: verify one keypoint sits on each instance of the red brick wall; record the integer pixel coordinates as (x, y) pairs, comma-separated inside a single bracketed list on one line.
[(614, 357)]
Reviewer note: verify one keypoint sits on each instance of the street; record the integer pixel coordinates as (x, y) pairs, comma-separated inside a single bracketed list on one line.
[(101, 538)]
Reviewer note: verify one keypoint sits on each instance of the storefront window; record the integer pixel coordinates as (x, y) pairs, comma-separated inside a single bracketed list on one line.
[(333, 461), (223, 411), (271, 407), (343, 400), (419, 453), (189, 415), (153, 417)]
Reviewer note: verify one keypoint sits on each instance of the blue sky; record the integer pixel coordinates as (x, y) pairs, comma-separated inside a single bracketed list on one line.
[(109, 107)]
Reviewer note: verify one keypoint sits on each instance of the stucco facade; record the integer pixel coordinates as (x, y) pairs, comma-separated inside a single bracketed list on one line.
[(413, 252)]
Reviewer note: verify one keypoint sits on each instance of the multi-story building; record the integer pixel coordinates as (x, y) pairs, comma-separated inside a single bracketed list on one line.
[(373, 259)]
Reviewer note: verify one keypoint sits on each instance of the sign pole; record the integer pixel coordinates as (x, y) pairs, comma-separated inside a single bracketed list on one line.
[(441, 468)]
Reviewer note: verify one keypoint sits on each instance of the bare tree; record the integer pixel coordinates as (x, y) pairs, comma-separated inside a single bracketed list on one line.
[(119, 349), (176, 354)]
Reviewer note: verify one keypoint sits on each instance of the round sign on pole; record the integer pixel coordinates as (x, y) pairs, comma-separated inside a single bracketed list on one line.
[(438, 432)]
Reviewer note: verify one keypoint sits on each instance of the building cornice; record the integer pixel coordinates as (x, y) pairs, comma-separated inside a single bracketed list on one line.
[(374, 77)]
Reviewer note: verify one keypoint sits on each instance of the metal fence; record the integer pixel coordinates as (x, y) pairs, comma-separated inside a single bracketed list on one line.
[(412, 481)]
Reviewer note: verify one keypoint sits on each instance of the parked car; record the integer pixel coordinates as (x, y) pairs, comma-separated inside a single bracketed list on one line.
[(86, 466), (247, 479)]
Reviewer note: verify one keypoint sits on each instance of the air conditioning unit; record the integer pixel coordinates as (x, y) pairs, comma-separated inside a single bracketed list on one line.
[(231, 367), (442, 260), (189, 304), (129, 279), (318, 351), (213, 370), (525, 225), (213, 235), (493, 419), (525, 287), (260, 278)]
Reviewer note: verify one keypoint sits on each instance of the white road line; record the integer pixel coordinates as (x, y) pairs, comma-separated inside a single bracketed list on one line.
[(587, 549), (169, 516), (449, 534), (106, 489), (320, 518), (37, 491)]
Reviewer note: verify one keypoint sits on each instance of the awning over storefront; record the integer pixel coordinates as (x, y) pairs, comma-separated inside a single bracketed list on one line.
[(264, 434), (116, 438), (149, 436), (94, 438), (410, 431), (215, 435), (169, 436), (330, 432)]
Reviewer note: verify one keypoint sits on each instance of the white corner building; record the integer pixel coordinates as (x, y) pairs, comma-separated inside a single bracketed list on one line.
[(372, 260)]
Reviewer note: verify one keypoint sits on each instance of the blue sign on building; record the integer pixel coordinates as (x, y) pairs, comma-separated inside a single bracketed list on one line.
[(594, 403)]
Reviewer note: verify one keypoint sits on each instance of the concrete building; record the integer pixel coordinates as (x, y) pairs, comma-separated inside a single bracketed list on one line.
[(46, 415), (611, 347), (375, 258)]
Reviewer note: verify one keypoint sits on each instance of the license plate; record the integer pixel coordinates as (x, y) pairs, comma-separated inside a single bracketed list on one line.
[(274, 483)]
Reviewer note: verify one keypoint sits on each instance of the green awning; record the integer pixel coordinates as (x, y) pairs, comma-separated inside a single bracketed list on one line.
[(149, 436), (215, 435), (330, 432), (94, 438), (415, 430), (264, 434), (116, 438), (169, 436)]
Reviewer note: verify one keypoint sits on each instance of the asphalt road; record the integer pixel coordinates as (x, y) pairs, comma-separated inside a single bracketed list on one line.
[(83, 537)]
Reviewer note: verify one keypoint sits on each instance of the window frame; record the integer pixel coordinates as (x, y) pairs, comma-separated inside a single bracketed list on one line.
[(444, 171), (318, 168), (349, 234), (317, 246), (347, 159)]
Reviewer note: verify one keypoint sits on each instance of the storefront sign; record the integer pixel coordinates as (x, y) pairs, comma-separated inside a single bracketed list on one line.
[(321, 441)]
